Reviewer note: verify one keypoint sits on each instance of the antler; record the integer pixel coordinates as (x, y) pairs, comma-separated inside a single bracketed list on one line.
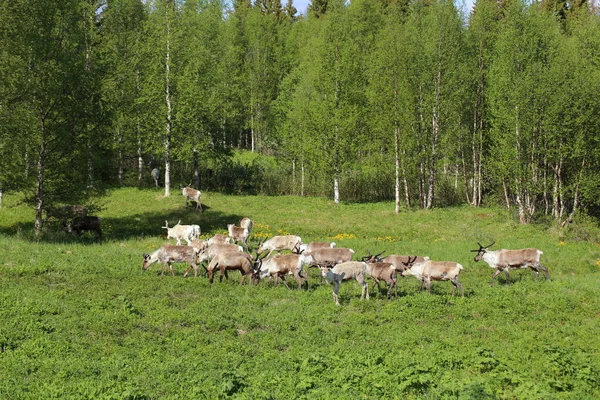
[(166, 225), (367, 257)]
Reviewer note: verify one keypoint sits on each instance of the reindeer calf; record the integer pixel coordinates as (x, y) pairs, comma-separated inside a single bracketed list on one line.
[(343, 272)]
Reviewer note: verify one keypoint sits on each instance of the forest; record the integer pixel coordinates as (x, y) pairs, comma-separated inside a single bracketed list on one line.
[(418, 101)]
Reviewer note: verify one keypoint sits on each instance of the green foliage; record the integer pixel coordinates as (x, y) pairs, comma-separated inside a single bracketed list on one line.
[(80, 318)]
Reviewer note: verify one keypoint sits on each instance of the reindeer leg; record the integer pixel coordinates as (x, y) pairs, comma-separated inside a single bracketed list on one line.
[(545, 270), (494, 275), (506, 273), (462, 289), (535, 274), (336, 289), (365, 286)]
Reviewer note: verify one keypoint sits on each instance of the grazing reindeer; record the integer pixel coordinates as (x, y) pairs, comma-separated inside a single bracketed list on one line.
[(169, 254), (192, 195), (504, 260), (427, 271)]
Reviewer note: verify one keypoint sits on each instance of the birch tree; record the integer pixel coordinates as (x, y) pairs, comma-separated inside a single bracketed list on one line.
[(43, 41)]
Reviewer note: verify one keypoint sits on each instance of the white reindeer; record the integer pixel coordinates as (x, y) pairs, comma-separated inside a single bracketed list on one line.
[(346, 271), (179, 232), (428, 271), (192, 195), (504, 260)]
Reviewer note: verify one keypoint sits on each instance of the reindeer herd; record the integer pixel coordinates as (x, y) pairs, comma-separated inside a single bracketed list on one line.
[(230, 252), (226, 253)]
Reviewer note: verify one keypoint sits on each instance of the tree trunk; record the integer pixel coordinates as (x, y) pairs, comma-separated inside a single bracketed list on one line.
[(196, 178), (121, 162), (293, 175), (506, 197), (302, 179), (140, 160), (39, 193), (169, 111), (397, 170), (336, 189), (139, 136)]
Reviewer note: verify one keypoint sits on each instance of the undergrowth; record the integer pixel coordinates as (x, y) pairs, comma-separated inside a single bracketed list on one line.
[(81, 320)]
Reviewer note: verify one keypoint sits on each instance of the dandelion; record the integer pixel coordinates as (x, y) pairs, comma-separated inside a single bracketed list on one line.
[(341, 236), (598, 263), (561, 243)]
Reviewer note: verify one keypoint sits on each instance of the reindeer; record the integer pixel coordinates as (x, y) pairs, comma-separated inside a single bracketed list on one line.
[(427, 271), (278, 243), (192, 195), (504, 260), (383, 271), (231, 261), (219, 238), (155, 176), (343, 272), (212, 250), (185, 232), (86, 223), (238, 234), (280, 265), (400, 262), (168, 254), (247, 223), (331, 256), (312, 246)]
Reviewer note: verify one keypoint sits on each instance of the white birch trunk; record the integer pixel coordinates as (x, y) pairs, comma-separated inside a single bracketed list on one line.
[(336, 189), (39, 193), (397, 170), (169, 116), (139, 136), (302, 179)]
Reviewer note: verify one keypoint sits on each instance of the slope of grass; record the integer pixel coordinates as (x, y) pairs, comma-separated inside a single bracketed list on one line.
[(81, 320)]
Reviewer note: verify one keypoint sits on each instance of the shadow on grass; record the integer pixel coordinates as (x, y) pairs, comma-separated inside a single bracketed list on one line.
[(134, 226)]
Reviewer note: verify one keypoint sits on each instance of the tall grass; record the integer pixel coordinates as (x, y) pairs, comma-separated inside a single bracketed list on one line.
[(81, 320)]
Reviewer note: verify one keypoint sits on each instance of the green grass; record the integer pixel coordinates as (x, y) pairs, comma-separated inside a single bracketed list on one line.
[(79, 319)]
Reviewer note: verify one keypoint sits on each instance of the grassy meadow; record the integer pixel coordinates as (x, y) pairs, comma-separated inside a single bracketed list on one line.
[(79, 319)]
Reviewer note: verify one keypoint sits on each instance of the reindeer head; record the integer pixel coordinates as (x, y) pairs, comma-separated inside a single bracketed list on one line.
[(481, 251), (146, 262)]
